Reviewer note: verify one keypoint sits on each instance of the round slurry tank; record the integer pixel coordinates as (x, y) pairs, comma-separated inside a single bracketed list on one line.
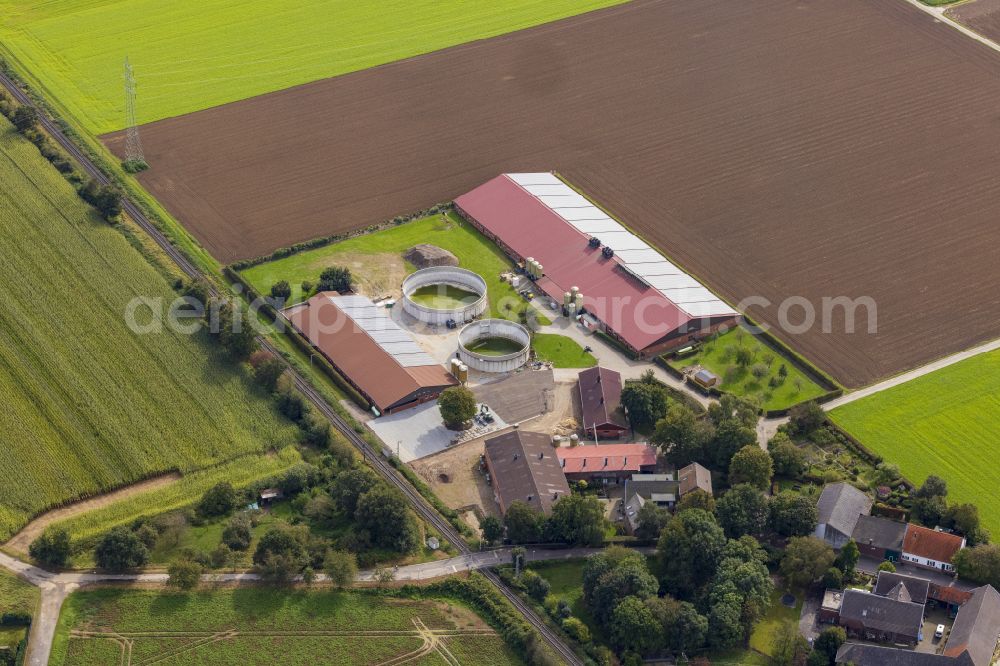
[(494, 345), (435, 295)]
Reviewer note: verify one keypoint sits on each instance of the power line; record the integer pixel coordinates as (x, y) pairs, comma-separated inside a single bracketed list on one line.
[(133, 146)]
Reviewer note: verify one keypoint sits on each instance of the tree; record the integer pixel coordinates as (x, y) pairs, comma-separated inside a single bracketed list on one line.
[(730, 436), (645, 403), (742, 510), (689, 551), (184, 574), (928, 501), (316, 430), (334, 278), (383, 575), (829, 641), (219, 500), (348, 487), (789, 460), (384, 514), (492, 529), (805, 560), (681, 436), (725, 626), (697, 499), (280, 551), (268, 372), (744, 410), (25, 118), (980, 564), (52, 548), (847, 558), (792, 514), (341, 567), (887, 566), (457, 405), (577, 520), (523, 523), (535, 585), (612, 575), (743, 574), (633, 627), (963, 518), (577, 630), (683, 627), (789, 647), (281, 290), (806, 418), (833, 578), (237, 533), (752, 465), (651, 521), (120, 549)]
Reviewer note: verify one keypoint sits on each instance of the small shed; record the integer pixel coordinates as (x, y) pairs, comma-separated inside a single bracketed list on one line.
[(706, 378), (269, 495)]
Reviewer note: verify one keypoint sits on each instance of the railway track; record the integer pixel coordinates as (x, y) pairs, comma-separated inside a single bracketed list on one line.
[(376, 460)]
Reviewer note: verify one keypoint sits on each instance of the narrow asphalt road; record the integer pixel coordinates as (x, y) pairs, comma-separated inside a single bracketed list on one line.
[(56, 587)]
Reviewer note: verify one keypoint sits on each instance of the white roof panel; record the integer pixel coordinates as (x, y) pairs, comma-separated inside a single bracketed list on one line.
[(572, 200), (677, 281), (588, 213), (683, 295), (383, 330), (543, 178), (715, 308), (623, 240), (548, 190), (651, 270), (636, 257), (598, 227)]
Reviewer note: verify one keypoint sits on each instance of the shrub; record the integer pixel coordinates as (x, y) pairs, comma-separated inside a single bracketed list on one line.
[(52, 548), (120, 549), (237, 534), (25, 118), (576, 630), (219, 500), (335, 278), (281, 290)]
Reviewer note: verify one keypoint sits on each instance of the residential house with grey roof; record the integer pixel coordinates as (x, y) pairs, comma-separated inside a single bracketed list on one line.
[(840, 505)]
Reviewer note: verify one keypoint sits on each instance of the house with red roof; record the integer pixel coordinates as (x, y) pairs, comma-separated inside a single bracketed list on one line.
[(606, 463), (929, 548)]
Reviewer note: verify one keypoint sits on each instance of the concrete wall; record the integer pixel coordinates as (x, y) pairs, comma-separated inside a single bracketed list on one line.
[(496, 328), (448, 275)]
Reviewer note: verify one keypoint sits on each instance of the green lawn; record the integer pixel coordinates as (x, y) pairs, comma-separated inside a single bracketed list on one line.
[(474, 251), (16, 596), (762, 637), (719, 356), (190, 55), (89, 404), (944, 423), (256, 613), (563, 352)]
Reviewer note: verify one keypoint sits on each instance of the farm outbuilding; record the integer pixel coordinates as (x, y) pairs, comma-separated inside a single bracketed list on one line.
[(606, 463), (379, 359), (600, 403), (637, 296), (523, 467)]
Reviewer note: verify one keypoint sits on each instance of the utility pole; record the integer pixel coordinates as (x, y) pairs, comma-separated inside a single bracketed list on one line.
[(135, 160)]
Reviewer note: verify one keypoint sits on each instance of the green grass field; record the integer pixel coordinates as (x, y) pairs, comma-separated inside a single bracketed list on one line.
[(563, 352), (331, 627), (718, 356), (190, 55), (474, 252), (89, 404), (764, 632), (943, 423), (16, 596)]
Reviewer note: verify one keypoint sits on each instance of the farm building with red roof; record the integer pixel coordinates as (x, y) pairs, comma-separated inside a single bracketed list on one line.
[(606, 462), (930, 548), (601, 403), (632, 291)]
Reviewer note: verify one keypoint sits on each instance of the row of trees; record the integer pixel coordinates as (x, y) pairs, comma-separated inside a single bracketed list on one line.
[(575, 519)]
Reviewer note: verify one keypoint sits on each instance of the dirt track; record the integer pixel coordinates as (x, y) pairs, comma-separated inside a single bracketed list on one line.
[(774, 148)]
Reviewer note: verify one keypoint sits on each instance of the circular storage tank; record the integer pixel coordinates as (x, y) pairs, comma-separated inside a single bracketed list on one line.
[(494, 345), (435, 295)]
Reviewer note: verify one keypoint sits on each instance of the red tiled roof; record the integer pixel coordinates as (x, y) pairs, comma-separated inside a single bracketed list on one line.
[(931, 544), (949, 594), (620, 457), (638, 313)]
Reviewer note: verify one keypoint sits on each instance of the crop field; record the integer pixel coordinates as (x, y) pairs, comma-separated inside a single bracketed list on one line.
[(719, 356), (89, 404), (809, 161), (983, 16), (943, 423), (227, 626), (190, 55)]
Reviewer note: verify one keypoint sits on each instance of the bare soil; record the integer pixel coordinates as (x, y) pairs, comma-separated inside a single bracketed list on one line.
[(453, 475), (983, 16), (785, 148), (19, 543)]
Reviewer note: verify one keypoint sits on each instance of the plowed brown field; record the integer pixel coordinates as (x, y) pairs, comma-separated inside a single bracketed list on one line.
[(983, 16), (774, 148)]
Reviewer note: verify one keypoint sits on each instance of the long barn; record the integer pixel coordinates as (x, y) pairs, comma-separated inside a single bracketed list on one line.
[(635, 294)]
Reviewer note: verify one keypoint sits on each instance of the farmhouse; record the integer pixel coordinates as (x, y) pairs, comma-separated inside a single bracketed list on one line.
[(606, 463), (879, 537), (662, 490), (840, 506), (894, 618), (930, 548), (378, 358), (635, 295), (694, 477), (522, 466), (972, 641), (600, 400)]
